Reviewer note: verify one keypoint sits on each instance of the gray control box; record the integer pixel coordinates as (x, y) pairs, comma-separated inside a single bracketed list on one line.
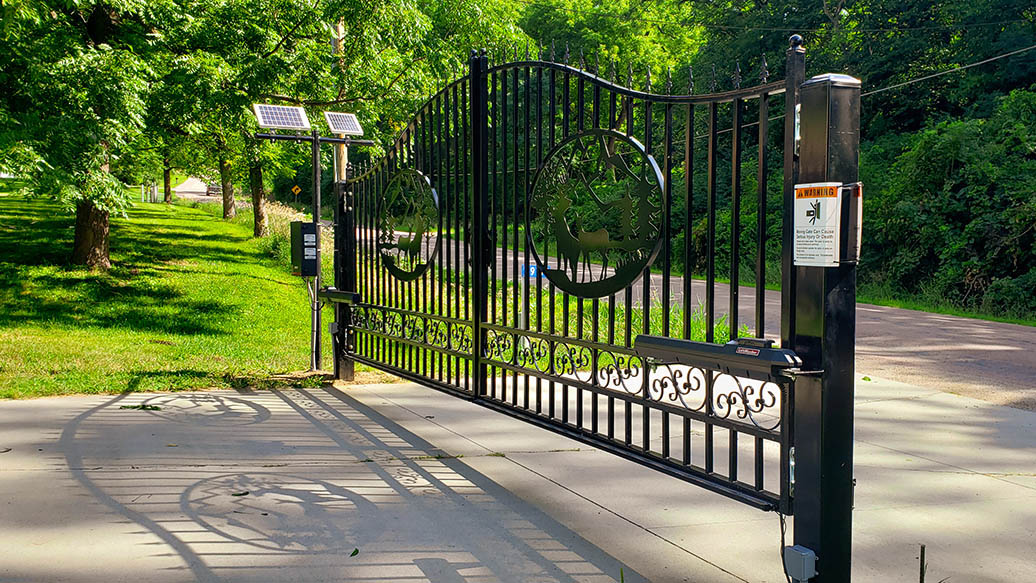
[(800, 563)]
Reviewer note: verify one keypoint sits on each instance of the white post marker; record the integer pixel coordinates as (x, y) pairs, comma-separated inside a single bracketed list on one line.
[(818, 222)]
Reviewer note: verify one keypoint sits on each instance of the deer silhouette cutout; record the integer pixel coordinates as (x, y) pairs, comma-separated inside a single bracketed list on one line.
[(411, 246), (568, 245), (593, 242)]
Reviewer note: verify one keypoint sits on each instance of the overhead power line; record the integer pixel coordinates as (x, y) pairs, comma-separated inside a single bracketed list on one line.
[(948, 71), (898, 85)]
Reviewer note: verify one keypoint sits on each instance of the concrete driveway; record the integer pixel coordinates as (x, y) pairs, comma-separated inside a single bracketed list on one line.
[(388, 483)]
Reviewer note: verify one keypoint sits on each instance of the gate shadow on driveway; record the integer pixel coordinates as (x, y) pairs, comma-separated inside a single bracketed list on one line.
[(307, 485)]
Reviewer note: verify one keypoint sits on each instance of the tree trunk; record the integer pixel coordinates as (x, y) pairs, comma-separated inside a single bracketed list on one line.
[(255, 177), (167, 180), (229, 210), (90, 247)]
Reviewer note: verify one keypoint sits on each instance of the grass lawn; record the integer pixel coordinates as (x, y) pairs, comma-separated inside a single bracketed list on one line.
[(191, 302)]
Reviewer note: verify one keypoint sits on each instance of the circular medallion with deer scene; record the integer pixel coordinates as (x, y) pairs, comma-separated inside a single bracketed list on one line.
[(595, 213), (408, 225)]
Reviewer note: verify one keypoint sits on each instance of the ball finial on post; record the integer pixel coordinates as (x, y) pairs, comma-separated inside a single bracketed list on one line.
[(795, 41)]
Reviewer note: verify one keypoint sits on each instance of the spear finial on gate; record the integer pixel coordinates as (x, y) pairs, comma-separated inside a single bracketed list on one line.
[(647, 79), (553, 52), (542, 53), (629, 75), (712, 84), (597, 64), (582, 61), (668, 80), (613, 74), (565, 58), (736, 77), (690, 79), (764, 73)]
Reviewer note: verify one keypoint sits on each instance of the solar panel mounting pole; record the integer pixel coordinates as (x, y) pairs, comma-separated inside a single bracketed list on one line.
[(314, 361)]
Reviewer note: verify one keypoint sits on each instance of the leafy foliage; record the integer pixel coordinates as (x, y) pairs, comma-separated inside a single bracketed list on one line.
[(958, 216)]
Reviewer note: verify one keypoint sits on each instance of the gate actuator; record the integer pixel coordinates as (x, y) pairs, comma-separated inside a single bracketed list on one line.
[(753, 358)]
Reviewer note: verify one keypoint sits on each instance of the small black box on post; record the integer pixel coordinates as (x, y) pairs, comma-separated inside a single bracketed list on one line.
[(304, 249)]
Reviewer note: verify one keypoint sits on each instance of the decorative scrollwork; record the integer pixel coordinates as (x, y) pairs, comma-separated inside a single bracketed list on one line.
[(681, 385), (574, 360), (418, 328), (533, 353), (620, 371), (755, 402)]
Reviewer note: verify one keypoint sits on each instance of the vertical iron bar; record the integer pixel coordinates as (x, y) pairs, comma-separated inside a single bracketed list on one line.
[(760, 246), (580, 114), (688, 233), (552, 118), (525, 211), (539, 280), (443, 225), (447, 214), (735, 216), (479, 240), (667, 219), (710, 270), (493, 207), (732, 453), (469, 263), (645, 299), (516, 257)]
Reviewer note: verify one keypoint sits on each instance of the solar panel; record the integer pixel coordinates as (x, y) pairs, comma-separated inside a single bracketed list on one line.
[(343, 123), (281, 117)]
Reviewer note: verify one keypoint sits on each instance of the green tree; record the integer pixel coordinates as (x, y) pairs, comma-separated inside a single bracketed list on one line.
[(74, 77)]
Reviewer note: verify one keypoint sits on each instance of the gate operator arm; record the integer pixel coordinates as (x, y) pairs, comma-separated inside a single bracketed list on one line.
[(330, 294), (753, 358)]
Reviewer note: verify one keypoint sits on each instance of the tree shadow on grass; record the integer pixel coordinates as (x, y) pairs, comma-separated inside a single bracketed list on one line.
[(36, 285), (105, 301)]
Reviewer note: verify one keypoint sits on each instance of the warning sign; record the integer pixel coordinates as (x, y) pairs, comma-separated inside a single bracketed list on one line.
[(817, 224), (296, 190)]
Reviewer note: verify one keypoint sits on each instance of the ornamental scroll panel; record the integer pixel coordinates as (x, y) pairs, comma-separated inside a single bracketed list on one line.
[(702, 393)]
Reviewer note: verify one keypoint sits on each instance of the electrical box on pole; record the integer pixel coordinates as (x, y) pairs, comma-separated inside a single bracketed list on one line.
[(304, 256)]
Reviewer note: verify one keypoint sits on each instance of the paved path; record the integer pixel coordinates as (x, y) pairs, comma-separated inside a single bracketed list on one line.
[(283, 486), (193, 189)]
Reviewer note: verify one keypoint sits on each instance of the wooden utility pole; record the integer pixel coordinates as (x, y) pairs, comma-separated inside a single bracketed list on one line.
[(341, 153)]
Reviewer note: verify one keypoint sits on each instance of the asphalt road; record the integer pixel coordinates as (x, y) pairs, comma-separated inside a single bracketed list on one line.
[(992, 361)]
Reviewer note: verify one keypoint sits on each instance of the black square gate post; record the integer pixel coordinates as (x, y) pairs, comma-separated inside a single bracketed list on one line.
[(823, 333), (345, 277)]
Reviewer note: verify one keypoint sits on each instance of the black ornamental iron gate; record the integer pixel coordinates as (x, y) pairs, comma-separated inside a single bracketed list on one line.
[(528, 242)]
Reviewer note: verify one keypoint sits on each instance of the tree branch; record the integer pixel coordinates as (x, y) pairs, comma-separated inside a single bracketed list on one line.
[(315, 103), (288, 35)]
